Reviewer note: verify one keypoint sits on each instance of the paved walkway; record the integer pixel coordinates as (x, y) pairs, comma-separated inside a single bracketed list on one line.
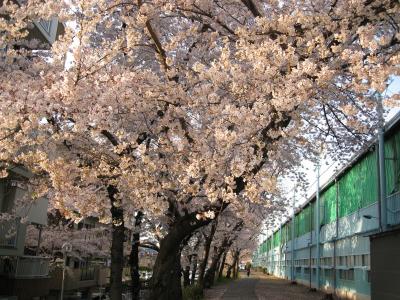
[(243, 289), (261, 287)]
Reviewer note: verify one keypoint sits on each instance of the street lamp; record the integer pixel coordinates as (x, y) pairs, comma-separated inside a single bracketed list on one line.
[(66, 248)]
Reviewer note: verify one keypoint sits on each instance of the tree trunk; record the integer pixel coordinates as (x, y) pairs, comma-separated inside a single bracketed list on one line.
[(117, 246), (186, 272), (166, 280), (210, 274), (229, 271), (194, 270), (207, 245), (217, 268), (221, 269), (134, 258), (186, 278), (236, 264)]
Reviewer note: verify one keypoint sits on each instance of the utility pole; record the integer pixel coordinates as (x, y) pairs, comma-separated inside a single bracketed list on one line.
[(318, 228), (292, 232), (66, 248), (381, 159)]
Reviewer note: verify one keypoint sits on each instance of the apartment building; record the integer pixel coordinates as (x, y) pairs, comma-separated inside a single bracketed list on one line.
[(21, 275)]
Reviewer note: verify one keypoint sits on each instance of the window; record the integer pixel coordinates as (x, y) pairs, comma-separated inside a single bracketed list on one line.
[(358, 260), (306, 271), (366, 260), (369, 276), (328, 273), (346, 274), (298, 270), (350, 261), (326, 261), (87, 271)]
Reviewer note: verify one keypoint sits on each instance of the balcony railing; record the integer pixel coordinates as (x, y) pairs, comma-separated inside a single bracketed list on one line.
[(25, 267), (393, 205), (9, 233)]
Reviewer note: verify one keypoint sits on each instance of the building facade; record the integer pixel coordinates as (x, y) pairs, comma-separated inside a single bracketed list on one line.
[(353, 244), (23, 276)]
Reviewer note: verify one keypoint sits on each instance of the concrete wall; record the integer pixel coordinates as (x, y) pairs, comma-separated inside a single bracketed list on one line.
[(385, 266)]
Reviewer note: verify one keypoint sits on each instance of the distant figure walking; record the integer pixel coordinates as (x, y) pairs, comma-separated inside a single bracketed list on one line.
[(248, 271)]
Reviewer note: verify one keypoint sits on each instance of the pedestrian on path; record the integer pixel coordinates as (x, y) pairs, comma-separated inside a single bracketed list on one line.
[(248, 271)]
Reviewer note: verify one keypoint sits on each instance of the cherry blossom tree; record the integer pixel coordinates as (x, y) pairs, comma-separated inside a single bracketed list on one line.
[(184, 108), (86, 243)]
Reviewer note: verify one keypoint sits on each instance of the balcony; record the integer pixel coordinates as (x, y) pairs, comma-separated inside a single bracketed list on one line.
[(9, 233), (25, 267)]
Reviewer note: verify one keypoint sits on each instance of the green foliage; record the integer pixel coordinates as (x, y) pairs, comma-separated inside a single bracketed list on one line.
[(193, 292), (223, 280)]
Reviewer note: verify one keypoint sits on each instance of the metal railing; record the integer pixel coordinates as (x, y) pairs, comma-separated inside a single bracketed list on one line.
[(9, 233), (25, 267), (87, 273), (393, 207)]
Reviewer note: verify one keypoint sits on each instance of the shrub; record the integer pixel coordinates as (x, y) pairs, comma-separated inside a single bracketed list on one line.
[(192, 292)]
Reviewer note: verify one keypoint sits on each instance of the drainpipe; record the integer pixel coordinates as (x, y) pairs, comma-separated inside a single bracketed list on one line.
[(310, 220), (292, 233), (318, 229), (280, 250), (336, 237), (381, 158)]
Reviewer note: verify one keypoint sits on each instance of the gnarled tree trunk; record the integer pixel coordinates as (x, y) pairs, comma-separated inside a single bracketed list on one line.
[(236, 264), (232, 267), (166, 280), (117, 246), (210, 274), (207, 245), (229, 272), (226, 244), (221, 268), (134, 258)]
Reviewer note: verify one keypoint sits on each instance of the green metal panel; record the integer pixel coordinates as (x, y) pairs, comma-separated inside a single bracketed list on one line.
[(312, 212), (269, 244), (392, 163), (302, 221), (289, 230), (328, 203), (285, 236), (358, 187), (277, 239), (296, 225)]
